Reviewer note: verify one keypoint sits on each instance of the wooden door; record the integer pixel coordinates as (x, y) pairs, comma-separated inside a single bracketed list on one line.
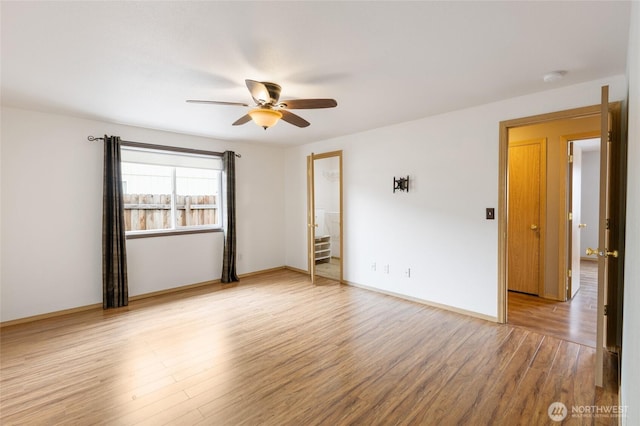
[(603, 235), (525, 215), (610, 233), (616, 222)]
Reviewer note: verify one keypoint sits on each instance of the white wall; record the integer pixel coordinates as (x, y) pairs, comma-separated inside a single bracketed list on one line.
[(51, 216), (590, 203), (630, 386), (438, 229)]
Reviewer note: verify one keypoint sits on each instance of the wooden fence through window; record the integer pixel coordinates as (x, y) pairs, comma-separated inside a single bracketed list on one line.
[(153, 211)]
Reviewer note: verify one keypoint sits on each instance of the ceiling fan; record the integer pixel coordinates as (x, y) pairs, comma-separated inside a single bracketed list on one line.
[(268, 109)]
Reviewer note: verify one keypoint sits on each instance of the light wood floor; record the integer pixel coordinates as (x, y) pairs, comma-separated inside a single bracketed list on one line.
[(277, 351), (574, 320)]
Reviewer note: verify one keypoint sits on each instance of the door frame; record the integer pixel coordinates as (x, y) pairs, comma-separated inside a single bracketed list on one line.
[(609, 291), (503, 163), (311, 211)]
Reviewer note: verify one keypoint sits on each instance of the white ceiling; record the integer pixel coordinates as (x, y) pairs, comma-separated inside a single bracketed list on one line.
[(384, 62)]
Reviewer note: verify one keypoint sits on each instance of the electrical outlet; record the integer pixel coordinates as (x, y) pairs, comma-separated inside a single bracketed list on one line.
[(386, 269)]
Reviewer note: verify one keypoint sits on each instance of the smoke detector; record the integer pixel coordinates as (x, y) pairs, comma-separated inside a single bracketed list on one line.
[(553, 76)]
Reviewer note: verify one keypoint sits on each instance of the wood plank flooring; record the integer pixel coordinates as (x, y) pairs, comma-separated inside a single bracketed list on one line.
[(573, 320), (277, 351)]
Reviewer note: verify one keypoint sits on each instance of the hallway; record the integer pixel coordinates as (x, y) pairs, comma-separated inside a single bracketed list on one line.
[(573, 320)]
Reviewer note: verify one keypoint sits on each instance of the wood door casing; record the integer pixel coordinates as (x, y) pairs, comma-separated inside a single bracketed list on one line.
[(526, 195)]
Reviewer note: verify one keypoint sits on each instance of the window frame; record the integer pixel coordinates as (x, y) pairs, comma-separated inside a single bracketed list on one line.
[(130, 235)]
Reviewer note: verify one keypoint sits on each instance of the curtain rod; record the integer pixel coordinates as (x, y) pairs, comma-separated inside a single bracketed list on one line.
[(168, 148)]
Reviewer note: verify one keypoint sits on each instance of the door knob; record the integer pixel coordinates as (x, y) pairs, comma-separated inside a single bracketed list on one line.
[(606, 253), (534, 227), (591, 252)]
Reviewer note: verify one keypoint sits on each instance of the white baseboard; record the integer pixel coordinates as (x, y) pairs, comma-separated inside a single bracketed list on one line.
[(427, 302)]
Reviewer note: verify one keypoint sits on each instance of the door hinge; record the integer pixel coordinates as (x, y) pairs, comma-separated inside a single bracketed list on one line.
[(569, 273), (609, 136), (570, 158), (608, 223), (606, 309), (570, 216)]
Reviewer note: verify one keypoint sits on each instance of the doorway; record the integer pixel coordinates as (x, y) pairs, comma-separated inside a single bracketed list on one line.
[(611, 223), (584, 204), (538, 210), (325, 237), (543, 211)]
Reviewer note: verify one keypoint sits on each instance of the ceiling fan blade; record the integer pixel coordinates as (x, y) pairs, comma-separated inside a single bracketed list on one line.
[(195, 101), (263, 92), (308, 103), (244, 119), (294, 119)]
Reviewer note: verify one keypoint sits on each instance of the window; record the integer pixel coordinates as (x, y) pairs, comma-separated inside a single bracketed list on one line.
[(166, 191)]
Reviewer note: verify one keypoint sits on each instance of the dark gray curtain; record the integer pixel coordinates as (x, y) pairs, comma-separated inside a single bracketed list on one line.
[(115, 292), (229, 218)]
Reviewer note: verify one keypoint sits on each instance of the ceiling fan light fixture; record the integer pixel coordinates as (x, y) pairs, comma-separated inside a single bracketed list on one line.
[(267, 110), (264, 117)]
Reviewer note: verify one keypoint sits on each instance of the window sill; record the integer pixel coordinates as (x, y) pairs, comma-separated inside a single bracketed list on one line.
[(169, 232)]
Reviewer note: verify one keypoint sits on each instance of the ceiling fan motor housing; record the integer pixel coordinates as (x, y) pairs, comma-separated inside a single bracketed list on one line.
[(274, 92)]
